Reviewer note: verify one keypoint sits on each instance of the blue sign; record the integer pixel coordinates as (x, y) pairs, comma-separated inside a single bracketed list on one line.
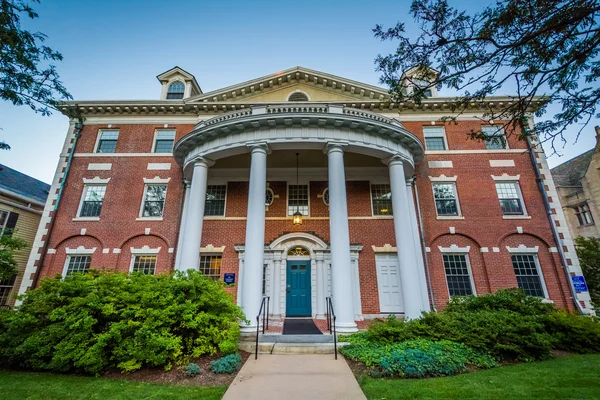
[(229, 279), (579, 284)]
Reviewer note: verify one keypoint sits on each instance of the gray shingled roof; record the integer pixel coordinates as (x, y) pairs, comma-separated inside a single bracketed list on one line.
[(23, 184), (570, 172)]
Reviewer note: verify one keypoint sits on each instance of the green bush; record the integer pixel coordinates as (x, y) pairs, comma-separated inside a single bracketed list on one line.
[(514, 300), (192, 370), (96, 321), (418, 358), (226, 365), (572, 332)]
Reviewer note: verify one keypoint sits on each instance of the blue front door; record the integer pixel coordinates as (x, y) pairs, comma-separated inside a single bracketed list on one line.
[(298, 289)]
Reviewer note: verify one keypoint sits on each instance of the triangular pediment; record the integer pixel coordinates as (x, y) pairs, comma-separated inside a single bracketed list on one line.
[(318, 86)]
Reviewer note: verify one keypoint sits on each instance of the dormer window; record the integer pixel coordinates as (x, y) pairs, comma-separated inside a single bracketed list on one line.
[(298, 96), (175, 91), (420, 79), (421, 84)]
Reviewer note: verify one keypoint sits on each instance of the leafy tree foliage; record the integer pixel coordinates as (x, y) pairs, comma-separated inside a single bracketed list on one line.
[(8, 246), (588, 252), (27, 73), (541, 47)]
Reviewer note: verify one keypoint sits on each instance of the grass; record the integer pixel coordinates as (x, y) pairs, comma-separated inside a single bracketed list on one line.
[(572, 377), (46, 386)]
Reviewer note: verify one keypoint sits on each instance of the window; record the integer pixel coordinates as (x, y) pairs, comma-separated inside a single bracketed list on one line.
[(269, 197), (211, 266), (298, 199), (298, 96), (446, 200), (527, 273), (215, 200), (144, 264), (458, 277), (163, 142), (78, 264), (584, 216), (93, 196), (509, 195), (435, 137), (326, 196), (154, 200), (3, 220), (108, 141), (381, 196), (175, 91), (5, 289), (298, 252), (424, 86), (496, 139)]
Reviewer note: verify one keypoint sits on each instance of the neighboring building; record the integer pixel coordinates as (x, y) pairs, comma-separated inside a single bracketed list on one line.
[(22, 199), (224, 164), (578, 185)]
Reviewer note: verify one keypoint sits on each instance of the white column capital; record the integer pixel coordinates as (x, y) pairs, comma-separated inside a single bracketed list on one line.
[(331, 147), (394, 160), (319, 256), (277, 256), (259, 147), (202, 162)]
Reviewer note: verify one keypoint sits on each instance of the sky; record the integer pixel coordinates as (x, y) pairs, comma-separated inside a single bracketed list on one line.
[(114, 49)]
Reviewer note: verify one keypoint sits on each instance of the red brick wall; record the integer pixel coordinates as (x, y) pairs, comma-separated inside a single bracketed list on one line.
[(483, 225)]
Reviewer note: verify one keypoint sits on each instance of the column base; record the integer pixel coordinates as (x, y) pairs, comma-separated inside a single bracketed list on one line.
[(346, 327), (249, 329)]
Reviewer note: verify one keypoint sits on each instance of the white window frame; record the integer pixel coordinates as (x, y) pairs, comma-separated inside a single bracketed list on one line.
[(458, 251), (141, 216), (443, 137), (578, 211), (134, 255), (371, 183), (100, 135), (219, 183), (506, 147), (215, 254), (287, 196), (90, 183), (171, 83), (2, 227), (326, 190), (298, 91), (519, 193), (529, 251), (79, 251), (155, 136), (458, 209)]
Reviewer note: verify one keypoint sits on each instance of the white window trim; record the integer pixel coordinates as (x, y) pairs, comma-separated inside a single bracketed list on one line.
[(458, 209), (156, 134), (298, 91), (168, 85), (443, 136), (323, 194), (141, 216), (100, 135), (83, 193), (503, 134), (443, 179), (212, 250), (506, 177), (470, 271), (157, 181), (96, 181), (133, 256), (301, 182), (79, 251), (525, 215), (528, 251), (219, 183), (272, 196), (454, 249), (145, 251), (377, 182)]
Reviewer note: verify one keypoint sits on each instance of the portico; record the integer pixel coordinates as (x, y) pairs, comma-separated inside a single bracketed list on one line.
[(337, 131)]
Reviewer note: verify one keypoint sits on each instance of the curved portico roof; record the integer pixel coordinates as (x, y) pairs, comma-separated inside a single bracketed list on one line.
[(294, 126)]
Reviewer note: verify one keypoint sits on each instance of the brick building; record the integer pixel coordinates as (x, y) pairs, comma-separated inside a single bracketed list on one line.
[(215, 181)]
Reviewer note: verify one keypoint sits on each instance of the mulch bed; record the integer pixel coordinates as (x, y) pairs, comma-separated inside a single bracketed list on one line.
[(176, 375)]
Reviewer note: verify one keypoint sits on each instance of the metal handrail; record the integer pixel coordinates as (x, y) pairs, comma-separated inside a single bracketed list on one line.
[(265, 316), (331, 323)]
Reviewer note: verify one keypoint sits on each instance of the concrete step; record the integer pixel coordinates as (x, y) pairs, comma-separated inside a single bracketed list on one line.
[(290, 348), (270, 338)]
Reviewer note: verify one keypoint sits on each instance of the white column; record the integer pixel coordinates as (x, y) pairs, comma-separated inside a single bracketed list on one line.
[(240, 278), (320, 286), (192, 234), (341, 269), (407, 260), (276, 284), (417, 241), (186, 206), (255, 236)]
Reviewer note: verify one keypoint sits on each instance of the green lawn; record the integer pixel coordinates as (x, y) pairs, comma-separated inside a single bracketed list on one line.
[(33, 386), (572, 377)]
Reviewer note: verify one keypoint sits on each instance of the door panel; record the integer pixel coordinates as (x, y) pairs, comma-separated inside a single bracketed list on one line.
[(298, 299), (388, 282)]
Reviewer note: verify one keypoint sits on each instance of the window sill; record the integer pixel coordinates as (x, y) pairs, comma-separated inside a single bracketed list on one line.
[(548, 301), (86, 219), (442, 217), (149, 219), (516, 217), (382, 216)]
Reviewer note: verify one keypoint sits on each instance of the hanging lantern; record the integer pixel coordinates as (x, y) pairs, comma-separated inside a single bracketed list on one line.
[(297, 217)]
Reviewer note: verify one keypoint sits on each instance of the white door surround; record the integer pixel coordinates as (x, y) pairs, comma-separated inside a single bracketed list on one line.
[(388, 284)]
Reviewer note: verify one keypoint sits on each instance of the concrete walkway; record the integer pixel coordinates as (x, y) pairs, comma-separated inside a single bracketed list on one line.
[(290, 377)]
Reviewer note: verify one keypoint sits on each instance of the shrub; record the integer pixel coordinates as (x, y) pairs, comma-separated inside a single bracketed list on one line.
[(573, 332), (227, 364), (503, 300), (192, 370), (418, 358), (95, 321)]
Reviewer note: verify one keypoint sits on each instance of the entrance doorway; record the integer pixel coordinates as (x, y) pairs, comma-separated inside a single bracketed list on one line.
[(298, 298)]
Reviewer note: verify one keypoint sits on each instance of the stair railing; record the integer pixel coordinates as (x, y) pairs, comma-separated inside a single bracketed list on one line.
[(265, 318), (331, 323)]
